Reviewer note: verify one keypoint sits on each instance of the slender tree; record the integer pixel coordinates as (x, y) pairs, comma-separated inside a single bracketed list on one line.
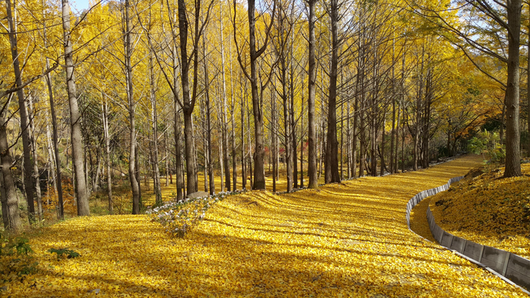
[(311, 121), (257, 100), (75, 116)]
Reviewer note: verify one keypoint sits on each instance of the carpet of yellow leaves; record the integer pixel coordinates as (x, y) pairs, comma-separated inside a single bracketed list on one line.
[(344, 240), (488, 209)]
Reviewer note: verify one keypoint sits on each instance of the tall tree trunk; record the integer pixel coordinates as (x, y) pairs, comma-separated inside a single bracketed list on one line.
[(221, 163), (209, 132), (274, 141), (286, 119), (10, 213), (513, 150), (51, 161), (403, 139), (204, 129), (208, 139), (154, 118), (332, 169), (528, 88), (341, 138), (383, 164), (34, 148), (105, 118), (128, 49), (224, 112), (302, 142), (355, 127), (75, 117), (417, 125), (257, 108), (294, 142), (250, 155), (28, 159), (188, 103), (178, 151), (166, 157), (426, 117), (362, 128), (311, 112), (233, 121), (393, 100), (242, 107), (58, 179)]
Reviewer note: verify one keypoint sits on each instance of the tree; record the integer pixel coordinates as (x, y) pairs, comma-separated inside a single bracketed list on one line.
[(75, 116), (504, 16), (312, 142), (257, 93), (332, 167), (10, 213), (188, 103), (24, 125)]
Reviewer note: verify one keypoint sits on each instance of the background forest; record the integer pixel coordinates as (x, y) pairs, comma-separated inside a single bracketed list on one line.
[(134, 102)]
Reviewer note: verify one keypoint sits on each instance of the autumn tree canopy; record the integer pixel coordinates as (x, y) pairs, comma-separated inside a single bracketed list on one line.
[(223, 95)]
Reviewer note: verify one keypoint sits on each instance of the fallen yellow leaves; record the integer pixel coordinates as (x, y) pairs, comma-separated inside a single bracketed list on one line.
[(345, 240), (488, 209)]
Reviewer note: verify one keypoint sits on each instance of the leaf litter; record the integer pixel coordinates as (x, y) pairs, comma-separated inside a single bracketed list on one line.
[(348, 240)]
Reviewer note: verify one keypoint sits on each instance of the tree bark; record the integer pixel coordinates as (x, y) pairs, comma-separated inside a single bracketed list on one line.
[(75, 117), (58, 179), (332, 169), (128, 49), (259, 149), (311, 112), (208, 139), (105, 118), (243, 164), (28, 160), (528, 88), (513, 153), (224, 112), (10, 213), (154, 119), (34, 148)]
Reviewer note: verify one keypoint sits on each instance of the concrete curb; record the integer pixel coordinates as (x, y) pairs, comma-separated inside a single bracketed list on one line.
[(510, 267)]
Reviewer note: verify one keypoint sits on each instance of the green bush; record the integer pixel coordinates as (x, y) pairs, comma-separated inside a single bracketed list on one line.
[(15, 258), (488, 144), (64, 253)]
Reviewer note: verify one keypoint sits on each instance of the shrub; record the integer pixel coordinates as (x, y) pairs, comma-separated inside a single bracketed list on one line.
[(15, 258), (179, 218), (488, 144), (64, 253)]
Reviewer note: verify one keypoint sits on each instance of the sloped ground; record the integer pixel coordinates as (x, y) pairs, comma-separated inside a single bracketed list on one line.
[(488, 209), (347, 240)]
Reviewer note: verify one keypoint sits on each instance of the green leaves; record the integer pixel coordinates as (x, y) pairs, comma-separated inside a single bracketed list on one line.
[(64, 253)]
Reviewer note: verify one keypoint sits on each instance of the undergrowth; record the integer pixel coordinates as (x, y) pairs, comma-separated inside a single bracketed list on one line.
[(179, 218), (16, 260)]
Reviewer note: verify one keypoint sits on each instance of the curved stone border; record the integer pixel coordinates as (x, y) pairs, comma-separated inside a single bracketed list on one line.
[(427, 193), (510, 267)]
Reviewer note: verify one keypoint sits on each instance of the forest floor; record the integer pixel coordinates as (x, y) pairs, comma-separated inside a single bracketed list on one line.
[(500, 207), (343, 240)]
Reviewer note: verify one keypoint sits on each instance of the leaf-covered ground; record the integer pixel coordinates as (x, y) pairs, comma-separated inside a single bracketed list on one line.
[(348, 240), (488, 209)]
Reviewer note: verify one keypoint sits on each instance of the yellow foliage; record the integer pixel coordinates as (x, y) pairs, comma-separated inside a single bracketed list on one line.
[(344, 240), (488, 209)]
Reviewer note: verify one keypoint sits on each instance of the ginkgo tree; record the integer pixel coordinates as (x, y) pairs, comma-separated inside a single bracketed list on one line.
[(191, 90)]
